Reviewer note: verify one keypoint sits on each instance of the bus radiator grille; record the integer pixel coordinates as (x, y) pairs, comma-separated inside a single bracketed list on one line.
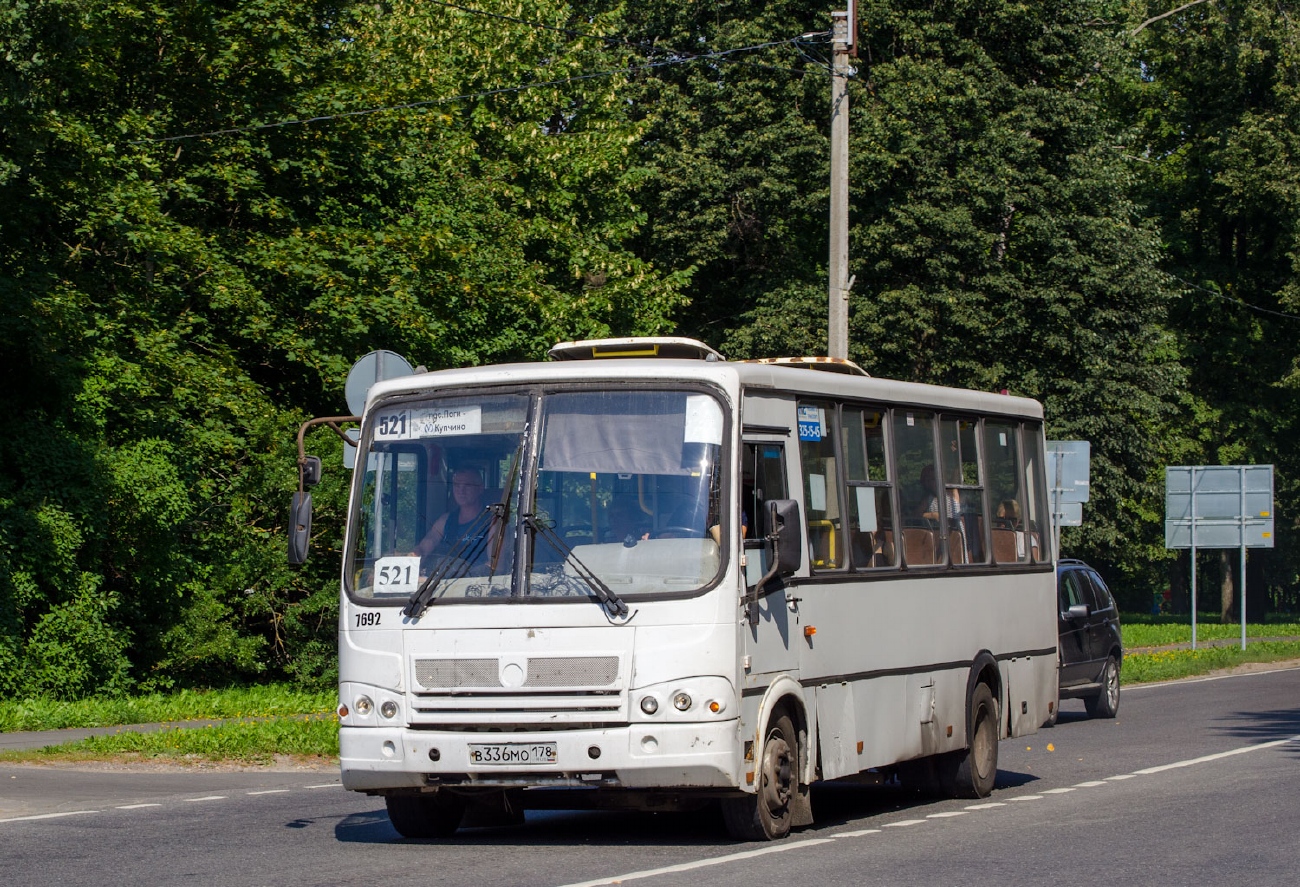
[(539, 673)]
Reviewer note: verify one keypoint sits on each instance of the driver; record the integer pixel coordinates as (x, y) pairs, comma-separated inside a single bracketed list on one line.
[(450, 528)]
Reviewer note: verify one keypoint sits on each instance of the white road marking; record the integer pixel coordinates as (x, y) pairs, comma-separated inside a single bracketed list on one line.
[(798, 845), (208, 798), (48, 815), (326, 785), (1207, 758), (703, 863), (270, 791), (136, 806)]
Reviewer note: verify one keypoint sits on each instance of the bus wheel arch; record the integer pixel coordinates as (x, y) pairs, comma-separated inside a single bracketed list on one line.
[(780, 762), (972, 771)]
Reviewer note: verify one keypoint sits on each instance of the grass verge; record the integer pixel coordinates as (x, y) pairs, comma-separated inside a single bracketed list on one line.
[(266, 701), (270, 723), (305, 739), (1142, 631), (1169, 665)]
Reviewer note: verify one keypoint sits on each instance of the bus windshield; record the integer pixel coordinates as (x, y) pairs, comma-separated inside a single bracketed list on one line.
[(623, 485)]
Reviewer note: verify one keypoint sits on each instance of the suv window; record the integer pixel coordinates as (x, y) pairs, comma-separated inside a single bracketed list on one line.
[(1072, 590), (1102, 594)]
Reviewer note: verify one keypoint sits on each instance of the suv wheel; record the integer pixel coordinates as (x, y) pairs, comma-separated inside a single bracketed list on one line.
[(1106, 703)]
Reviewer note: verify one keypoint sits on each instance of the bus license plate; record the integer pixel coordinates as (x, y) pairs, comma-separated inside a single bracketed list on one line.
[(512, 753)]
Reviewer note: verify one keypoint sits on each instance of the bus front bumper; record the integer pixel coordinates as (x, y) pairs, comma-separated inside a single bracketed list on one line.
[(641, 756)]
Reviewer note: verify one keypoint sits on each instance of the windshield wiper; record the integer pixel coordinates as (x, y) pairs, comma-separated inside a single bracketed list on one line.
[(457, 562), (608, 598)]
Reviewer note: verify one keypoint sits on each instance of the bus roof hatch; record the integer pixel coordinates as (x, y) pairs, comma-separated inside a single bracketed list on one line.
[(825, 364), (635, 346)]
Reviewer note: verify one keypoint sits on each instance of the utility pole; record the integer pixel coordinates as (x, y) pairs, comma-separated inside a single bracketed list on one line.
[(842, 39)]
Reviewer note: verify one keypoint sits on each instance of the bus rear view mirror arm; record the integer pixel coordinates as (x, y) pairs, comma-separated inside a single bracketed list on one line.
[(309, 472)]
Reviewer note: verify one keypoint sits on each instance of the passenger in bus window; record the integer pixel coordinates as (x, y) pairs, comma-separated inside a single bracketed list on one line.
[(447, 530), (1009, 514), (930, 504)]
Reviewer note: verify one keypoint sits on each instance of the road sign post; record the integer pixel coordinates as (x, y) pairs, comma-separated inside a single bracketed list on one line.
[(1219, 506), (1068, 470)]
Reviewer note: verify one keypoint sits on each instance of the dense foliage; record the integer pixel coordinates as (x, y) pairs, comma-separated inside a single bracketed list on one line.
[(1064, 200)]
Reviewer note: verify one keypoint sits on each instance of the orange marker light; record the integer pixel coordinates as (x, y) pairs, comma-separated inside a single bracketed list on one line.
[(809, 630)]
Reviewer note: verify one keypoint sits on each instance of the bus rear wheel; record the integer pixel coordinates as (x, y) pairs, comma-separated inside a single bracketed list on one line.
[(766, 815), (436, 815), (971, 772)]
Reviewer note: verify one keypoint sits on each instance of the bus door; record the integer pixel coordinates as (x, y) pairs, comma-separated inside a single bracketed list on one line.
[(770, 636)]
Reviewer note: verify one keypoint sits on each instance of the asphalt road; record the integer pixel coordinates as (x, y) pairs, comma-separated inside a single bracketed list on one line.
[(1196, 782)]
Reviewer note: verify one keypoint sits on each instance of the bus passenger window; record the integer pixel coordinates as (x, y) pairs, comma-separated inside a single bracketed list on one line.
[(821, 485), (871, 519), (963, 489), (1037, 523), (923, 515), (1005, 484)]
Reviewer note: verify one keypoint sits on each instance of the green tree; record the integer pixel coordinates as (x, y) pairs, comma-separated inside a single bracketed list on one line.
[(996, 240), (1219, 103), (175, 306)]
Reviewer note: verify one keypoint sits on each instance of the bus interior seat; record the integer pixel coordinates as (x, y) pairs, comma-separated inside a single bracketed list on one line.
[(1004, 546), (918, 546), (873, 549)]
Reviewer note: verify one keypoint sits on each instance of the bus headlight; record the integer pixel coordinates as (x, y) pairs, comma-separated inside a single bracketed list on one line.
[(388, 709), (702, 698), (363, 706)]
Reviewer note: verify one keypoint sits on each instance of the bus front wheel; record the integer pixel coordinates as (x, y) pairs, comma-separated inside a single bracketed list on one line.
[(766, 815), (436, 815)]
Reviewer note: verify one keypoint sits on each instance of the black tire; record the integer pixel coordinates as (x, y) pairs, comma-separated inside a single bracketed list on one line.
[(766, 814), (435, 815), (971, 772), (1106, 703)]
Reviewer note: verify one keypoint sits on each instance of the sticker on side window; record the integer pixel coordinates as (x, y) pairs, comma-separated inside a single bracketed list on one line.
[(810, 423)]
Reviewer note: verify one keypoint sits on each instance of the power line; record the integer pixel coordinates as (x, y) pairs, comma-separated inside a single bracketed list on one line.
[(541, 26), (723, 54), (1238, 302)]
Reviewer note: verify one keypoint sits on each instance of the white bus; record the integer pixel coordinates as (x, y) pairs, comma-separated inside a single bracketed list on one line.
[(666, 579)]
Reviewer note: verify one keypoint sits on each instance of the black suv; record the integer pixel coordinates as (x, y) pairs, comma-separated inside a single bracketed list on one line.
[(1090, 649)]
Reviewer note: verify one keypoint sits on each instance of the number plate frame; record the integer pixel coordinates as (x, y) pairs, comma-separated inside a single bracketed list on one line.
[(505, 754)]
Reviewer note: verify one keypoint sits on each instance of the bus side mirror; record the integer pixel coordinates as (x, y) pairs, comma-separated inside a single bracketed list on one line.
[(785, 550), (299, 527), (310, 470), (783, 523)]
